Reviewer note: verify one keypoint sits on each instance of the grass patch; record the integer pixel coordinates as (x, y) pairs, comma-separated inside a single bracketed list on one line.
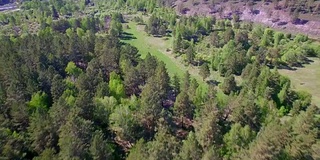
[(147, 45), (306, 78), (158, 47)]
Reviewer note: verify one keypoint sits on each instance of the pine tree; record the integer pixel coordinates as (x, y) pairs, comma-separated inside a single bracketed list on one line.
[(75, 137), (139, 151), (164, 145), (190, 150), (237, 139), (228, 35), (183, 107), (185, 82), (99, 147), (270, 143), (43, 134), (207, 130), (57, 87), (304, 134), (204, 71), (229, 85), (190, 55), (176, 83)]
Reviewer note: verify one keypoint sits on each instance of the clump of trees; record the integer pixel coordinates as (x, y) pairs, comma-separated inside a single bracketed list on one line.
[(69, 93)]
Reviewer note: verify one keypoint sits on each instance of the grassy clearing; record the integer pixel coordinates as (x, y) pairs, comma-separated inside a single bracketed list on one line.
[(306, 79), (158, 48), (145, 46)]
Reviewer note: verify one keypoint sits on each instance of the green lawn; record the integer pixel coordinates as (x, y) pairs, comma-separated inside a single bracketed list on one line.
[(307, 79)]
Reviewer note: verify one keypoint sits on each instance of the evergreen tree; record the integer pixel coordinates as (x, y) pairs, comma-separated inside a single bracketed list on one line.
[(57, 87), (295, 16), (42, 133), (207, 130), (190, 55), (176, 83), (183, 107), (99, 148), (164, 145), (190, 150), (75, 137), (228, 35), (186, 82), (229, 85), (204, 71), (139, 151), (269, 144), (304, 137), (237, 139)]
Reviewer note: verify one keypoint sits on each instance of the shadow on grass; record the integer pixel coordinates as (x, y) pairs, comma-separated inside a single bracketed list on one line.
[(287, 67), (213, 82), (127, 36)]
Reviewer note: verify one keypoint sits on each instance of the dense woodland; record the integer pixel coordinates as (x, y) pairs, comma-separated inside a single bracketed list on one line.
[(70, 88)]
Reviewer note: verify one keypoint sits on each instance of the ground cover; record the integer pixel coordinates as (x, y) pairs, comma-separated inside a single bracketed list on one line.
[(306, 78)]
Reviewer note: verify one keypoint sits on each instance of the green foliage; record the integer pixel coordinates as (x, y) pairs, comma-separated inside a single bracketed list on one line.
[(43, 133), (267, 38), (139, 151), (156, 26), (190, 150), (164, 146), (270, 143), (74, 137), (71, 87), (183, 107), (115, 28), (207, 129), (73, 70), (100, 149), (123, 123), (39, 101), (229, 85), (237, 139), (116, 87), (204, 71)]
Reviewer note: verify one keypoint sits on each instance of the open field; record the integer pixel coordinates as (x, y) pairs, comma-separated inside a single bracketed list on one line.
[(145, 46), (306, 79)]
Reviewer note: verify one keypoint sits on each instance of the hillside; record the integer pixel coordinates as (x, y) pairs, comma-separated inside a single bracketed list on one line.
[(272, 14)]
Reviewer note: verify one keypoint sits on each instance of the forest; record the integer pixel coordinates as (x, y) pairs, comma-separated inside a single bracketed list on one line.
[(73, 86)]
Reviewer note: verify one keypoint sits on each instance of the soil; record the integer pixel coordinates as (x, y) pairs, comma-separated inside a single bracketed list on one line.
[(263, 13)]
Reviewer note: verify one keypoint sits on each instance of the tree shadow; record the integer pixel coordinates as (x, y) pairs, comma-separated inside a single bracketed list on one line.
[(255, 12), (213, 82), (185, 10), (127, 36), (287, 67), (300, 22), (309, 61), (282, 23)]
